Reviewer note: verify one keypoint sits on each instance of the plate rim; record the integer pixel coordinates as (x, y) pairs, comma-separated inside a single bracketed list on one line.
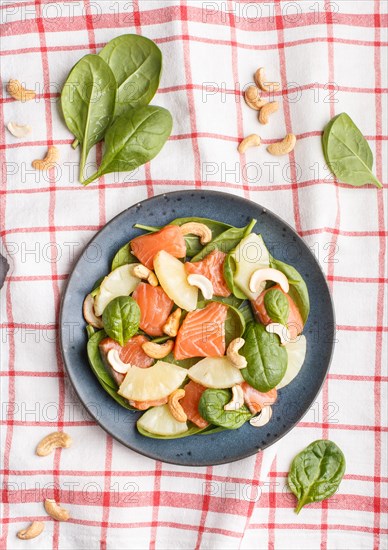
[(151, 455)]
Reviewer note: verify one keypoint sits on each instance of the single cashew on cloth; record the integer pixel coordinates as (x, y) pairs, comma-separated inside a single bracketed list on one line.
[(32, 531), (262, 82), (253, 99), (55, 511), (19, 92), (266, 111), (253, 140), (49, 161), (282, 147), (52, 441)]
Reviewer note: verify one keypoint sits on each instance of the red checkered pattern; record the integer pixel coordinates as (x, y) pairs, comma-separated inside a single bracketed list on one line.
[(329, 58)]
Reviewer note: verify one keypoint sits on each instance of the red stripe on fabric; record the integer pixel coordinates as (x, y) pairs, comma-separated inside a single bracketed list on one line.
[(155, 504), (381, 287), (287, 113), (331, 526), (190, 96), (272, 515), (204, 505), (255, 482)]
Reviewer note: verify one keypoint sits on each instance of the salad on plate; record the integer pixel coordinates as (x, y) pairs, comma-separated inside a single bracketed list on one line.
[(197, 326)]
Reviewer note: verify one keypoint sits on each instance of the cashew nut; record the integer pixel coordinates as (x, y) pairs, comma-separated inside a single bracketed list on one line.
[(259, 276), (203, 283), (233, 355), (252, 98), (143, 272), (19, 92), (158, 351), (49, 161), (199, 229), (19, 130), (171, 326), (282, 147), (252, 140), (32, 531), (89, 314), (55, 511), (267, 110), (262, 418), (53, 441), (237, 400), (175, 407), (113, 357), (281, 331), (262, 83)]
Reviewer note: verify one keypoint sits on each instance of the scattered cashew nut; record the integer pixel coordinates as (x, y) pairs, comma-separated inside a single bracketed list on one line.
[(158, 351), (259, 276), (19, 130), (55, 511), (253, 140), (89, 313), (282, 147), (53, 441), (143, 272), (237, 400), (262, 83), (32, 531), (49, 161), (19, 92), (267, 110), (281, 331), (263, 418), (113, 357), (252, 98), (233, 355), (175, 407), (199, 229), (203, 283), (171, 326)]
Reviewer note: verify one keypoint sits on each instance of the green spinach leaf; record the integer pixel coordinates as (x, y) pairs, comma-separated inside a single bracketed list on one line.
[(267, 359), (229, 271), (193, 429), (121, 319), (211, 408), (123, 257), (134, 138), (136, 63), (88, 102), (96, 361), (347, 152), (246, 312), (277, 306), (226, 241), (298, 288), (316, 472)]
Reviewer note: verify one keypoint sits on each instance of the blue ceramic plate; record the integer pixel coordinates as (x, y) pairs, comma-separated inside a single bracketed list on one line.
[(293, 401)]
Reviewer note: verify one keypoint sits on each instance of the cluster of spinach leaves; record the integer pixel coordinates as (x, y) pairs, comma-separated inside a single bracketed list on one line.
[(106, 97), (347, 152)]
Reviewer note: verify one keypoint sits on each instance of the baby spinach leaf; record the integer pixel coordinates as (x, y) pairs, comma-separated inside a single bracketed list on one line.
[(90, 331), (246, 312), (229, 271), (316, 472), (136, 63), (193, 429), (277, 306), (134, 138), (267, 359), (347, 152), (123, 257), (234, 324), (229, 300), (225, 241), (88, 101), (149, 228), (211, 408), (298, 288), (121, 319)]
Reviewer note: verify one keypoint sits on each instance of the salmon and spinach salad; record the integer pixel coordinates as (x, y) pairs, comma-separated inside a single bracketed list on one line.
[(197, 326)]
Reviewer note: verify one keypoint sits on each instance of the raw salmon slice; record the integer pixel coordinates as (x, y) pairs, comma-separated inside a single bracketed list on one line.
[(202, 333), (256, 400), (295, 321), (155, 307), (144, 405), (169, 238), (212, 267), (190, 402), (131, 352)]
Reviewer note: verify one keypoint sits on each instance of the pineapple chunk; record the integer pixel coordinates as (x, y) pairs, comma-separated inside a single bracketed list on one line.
[(119, 282), (250, 254), (296, 352), (173, 279), (156, 382), (215, 372), (159, 421)]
